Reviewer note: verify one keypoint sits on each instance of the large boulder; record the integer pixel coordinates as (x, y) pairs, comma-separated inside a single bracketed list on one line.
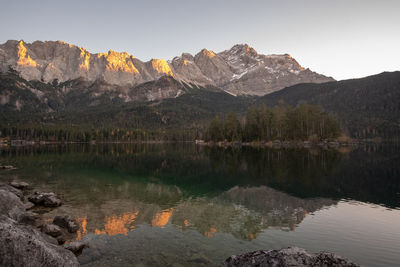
[(45, 199), (23, 245), (291, 256)]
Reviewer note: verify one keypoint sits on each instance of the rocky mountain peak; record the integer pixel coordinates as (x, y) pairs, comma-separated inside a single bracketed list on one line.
[(207, 53), (187, 56), (242, 49)]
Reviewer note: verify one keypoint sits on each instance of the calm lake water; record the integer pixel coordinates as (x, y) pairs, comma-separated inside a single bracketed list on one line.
[(187, 205)]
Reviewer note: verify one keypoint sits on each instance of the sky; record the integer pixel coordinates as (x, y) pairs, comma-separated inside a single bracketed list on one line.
[(339, 38)]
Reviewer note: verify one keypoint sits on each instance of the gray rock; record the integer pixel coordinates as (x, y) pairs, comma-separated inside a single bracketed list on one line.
[(76, 247), (45, 199), (66, 222), (10, 205), (19, 185), (52, 230), (291, 256), (23, 245), (13, 190)]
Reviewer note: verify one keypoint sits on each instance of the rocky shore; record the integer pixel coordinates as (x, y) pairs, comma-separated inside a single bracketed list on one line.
[(291, 256), (25, 239)]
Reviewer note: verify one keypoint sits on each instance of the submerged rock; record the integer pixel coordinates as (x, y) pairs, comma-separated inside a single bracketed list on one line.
[(76, 247), (66, 222), (45, 199), (291, 256)]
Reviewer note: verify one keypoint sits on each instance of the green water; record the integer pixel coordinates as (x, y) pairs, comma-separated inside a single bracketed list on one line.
[(187, 205)]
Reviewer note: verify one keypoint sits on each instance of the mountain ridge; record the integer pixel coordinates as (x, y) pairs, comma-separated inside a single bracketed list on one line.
[(239, 70)]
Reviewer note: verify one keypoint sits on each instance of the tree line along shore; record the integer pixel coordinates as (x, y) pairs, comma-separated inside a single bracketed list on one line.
[(261, 124)]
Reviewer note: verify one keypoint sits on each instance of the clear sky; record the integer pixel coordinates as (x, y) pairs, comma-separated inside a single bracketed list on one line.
[(339, 38)]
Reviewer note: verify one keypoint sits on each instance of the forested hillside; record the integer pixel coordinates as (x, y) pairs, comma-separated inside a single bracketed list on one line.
[(367, 107)]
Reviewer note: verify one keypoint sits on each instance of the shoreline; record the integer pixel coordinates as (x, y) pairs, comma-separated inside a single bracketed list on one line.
[(277, 144)]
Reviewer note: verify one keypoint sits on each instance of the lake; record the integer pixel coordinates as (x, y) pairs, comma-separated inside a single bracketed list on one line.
[(188, 205)]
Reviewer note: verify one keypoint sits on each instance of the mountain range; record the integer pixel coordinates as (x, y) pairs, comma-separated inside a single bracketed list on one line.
[(44, 84), (238, 71)]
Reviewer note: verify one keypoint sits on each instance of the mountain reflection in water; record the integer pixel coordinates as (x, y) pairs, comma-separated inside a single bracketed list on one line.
[(243, 212)]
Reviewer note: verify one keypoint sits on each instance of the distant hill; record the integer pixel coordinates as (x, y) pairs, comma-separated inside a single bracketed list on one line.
[(367, 107)]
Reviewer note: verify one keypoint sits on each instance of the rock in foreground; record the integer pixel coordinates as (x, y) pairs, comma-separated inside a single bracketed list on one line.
[(66, 222), (21, 244), (19, 185), (45, 199), (291, 256)]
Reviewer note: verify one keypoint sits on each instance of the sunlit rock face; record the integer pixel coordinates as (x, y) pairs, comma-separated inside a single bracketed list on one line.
[(239, 70), (48, 61)]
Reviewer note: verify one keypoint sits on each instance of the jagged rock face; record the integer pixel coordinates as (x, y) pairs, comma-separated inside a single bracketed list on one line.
[(257, 74), (240, 70)]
